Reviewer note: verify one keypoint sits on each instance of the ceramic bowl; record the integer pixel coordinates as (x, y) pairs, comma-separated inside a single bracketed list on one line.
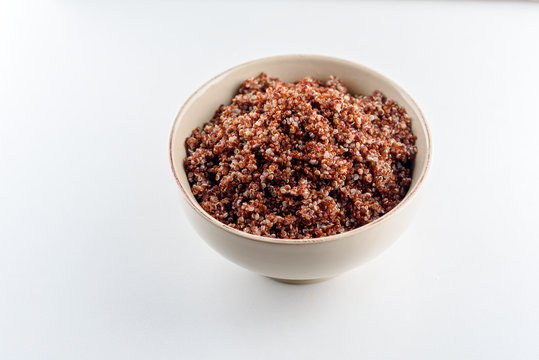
[(288, 259)]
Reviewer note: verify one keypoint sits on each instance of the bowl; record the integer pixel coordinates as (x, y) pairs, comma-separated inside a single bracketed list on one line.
[(298, 260)]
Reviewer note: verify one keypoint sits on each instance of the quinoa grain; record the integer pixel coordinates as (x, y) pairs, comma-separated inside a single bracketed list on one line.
[(301, 160)]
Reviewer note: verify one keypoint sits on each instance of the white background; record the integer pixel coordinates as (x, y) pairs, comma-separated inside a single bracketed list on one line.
[(97, 261)]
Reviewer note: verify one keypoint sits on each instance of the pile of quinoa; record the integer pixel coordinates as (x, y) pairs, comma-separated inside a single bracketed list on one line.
[(301, 160)]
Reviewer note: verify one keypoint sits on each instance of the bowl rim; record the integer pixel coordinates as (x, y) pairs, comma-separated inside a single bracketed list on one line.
[(398, 208)]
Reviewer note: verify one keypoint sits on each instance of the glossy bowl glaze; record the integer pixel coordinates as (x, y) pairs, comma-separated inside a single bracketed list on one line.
[(295, 260)]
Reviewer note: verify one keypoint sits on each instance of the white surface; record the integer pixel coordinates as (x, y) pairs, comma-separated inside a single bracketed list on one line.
[(96, 261)]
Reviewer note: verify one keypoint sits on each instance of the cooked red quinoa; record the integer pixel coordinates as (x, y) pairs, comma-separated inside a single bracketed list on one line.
[(301, 160)]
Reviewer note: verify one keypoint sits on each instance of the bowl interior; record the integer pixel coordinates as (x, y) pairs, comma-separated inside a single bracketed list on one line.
[(201, 106)]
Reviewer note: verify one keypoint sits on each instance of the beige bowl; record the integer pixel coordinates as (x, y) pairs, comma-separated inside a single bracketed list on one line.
[(289, 259)]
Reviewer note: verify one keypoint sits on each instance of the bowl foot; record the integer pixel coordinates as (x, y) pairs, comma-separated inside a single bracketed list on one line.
[(299, 282)]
